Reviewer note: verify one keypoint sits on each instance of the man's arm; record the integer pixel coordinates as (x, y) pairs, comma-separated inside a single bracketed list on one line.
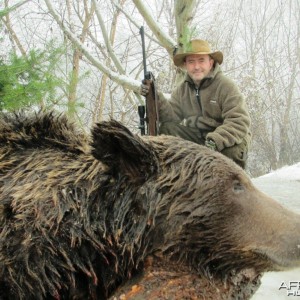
[(170, 110), (236, 124)]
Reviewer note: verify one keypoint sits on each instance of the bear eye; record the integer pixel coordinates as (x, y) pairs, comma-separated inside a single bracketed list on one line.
[(238, 187)]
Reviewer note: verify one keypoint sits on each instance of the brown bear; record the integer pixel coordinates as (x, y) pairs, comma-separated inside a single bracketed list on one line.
[(81, 215)]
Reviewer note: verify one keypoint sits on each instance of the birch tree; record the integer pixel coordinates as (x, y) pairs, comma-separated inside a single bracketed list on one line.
[(6, 20)]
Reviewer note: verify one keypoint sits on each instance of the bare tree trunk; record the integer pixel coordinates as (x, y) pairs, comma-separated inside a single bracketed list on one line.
[(184, 14), (123, 80), (77, 54), (12, 34), (100, 101)]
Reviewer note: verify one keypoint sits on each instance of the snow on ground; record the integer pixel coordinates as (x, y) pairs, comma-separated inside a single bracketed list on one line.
[(288, 173), (282, 185)]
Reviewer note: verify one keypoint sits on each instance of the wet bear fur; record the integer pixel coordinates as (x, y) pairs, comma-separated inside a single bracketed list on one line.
[(79, 214)]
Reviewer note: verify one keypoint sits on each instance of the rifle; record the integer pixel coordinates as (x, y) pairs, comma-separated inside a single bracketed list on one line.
[(151, 110)]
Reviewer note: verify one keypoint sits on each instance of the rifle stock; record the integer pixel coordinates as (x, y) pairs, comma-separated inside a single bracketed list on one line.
[(152, 119)]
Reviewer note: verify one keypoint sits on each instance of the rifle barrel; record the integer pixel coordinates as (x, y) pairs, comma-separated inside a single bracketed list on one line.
[(142, 32)]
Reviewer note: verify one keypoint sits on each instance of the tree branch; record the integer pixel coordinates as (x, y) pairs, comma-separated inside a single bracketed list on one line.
[(106, 40), (165, 40), (123, 80), (128, 16), (12, 8), (6, 21)]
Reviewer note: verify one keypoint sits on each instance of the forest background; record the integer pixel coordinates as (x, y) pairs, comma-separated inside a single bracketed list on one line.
[(84, 58)]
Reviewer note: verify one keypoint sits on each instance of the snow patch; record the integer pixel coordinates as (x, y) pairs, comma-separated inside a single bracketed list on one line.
[(287, 173)]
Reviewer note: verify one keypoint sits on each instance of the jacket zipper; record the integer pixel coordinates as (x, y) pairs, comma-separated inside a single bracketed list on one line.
[(198, 98)]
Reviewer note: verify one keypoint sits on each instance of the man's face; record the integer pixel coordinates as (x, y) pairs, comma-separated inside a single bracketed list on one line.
[(198, 66)]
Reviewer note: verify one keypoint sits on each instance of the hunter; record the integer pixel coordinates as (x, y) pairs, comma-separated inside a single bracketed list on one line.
[(207, 107)]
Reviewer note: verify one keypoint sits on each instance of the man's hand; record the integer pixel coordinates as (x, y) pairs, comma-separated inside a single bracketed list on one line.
[(190, 121), (144, 89), (211, 145)]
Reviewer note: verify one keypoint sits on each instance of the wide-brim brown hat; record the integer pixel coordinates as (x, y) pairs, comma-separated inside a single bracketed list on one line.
[(197, 47)]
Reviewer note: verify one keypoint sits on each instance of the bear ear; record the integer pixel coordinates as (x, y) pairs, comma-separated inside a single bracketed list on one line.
[(125, 153)]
